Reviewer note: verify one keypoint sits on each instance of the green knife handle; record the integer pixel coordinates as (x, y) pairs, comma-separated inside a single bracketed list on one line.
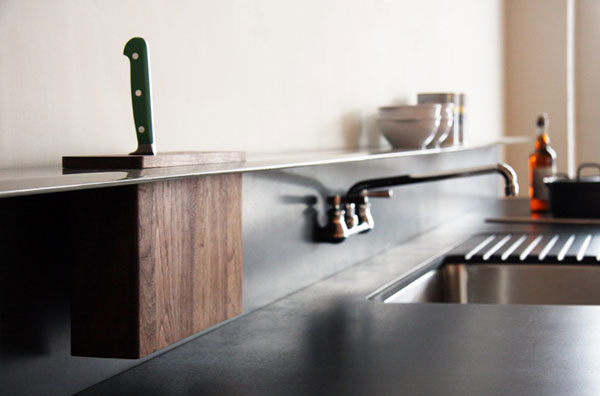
[(137, 52)]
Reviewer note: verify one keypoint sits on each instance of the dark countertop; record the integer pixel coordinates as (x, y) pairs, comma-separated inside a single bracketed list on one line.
[(328, 339)]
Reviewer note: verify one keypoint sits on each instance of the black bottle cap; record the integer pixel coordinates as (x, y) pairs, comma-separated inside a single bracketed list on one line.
[(542, 120)]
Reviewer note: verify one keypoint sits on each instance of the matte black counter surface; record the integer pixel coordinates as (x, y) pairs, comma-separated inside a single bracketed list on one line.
[(329, 340)]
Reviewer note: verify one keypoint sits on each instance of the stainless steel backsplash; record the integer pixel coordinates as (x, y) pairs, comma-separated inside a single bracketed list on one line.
[(281, 208)]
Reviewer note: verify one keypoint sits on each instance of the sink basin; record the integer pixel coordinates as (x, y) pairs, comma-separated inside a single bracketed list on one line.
[(497, 283)]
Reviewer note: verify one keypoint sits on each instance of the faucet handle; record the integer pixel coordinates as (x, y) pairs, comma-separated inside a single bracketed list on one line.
[(351, 217), (377, 194), (335, 201), (336, 229)]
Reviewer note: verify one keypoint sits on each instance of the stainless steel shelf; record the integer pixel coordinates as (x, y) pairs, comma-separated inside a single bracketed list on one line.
[(30, 181)]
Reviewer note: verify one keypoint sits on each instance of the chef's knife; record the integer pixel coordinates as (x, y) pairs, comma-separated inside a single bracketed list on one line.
[(137, 52)]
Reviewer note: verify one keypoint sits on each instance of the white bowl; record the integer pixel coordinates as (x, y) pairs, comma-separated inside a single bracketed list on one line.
[(411, 112), (414, 134)]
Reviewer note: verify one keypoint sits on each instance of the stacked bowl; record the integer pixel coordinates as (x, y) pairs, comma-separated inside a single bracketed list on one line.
[(415, 126)]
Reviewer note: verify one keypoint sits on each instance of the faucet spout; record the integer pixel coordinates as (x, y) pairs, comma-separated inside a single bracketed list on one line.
[(344, 223), (507, 172), (511, 186)]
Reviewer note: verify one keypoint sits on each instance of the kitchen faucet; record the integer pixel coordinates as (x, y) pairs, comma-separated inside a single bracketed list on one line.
[(351, 214)]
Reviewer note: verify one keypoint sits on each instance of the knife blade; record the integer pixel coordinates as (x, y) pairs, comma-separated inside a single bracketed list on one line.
[(136, 50)]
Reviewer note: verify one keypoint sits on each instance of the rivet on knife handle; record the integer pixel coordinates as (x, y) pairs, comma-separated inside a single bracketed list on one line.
[(137, 52)]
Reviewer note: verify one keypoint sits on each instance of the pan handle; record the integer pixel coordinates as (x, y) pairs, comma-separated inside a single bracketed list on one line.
[(586, 165)]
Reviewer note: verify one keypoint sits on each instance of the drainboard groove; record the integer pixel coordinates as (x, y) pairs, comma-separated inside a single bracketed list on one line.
[(577, 251), (565, 248), (496, 247), (584, 247), (477, 248), (513, 247), (531, 246), (549, 246), (593, 252)]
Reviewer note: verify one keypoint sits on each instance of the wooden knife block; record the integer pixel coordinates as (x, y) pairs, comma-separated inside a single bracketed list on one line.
[(160, 160), (154, 263)]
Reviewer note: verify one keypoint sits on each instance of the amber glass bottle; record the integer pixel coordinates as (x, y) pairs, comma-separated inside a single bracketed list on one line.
[(542, 163)]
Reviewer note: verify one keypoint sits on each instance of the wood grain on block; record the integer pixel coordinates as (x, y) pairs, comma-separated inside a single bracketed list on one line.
[(159, 160), (158, 262)]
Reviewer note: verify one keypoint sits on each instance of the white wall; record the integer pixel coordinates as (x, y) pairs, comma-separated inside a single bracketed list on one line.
[(255, 75), (536, 77), (587, 63), (542, 38)]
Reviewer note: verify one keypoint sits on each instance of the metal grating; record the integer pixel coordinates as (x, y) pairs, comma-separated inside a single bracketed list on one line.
[(577, 248)]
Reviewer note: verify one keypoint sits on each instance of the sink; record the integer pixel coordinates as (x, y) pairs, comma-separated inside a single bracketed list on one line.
[(502, 284), (558, 269)]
